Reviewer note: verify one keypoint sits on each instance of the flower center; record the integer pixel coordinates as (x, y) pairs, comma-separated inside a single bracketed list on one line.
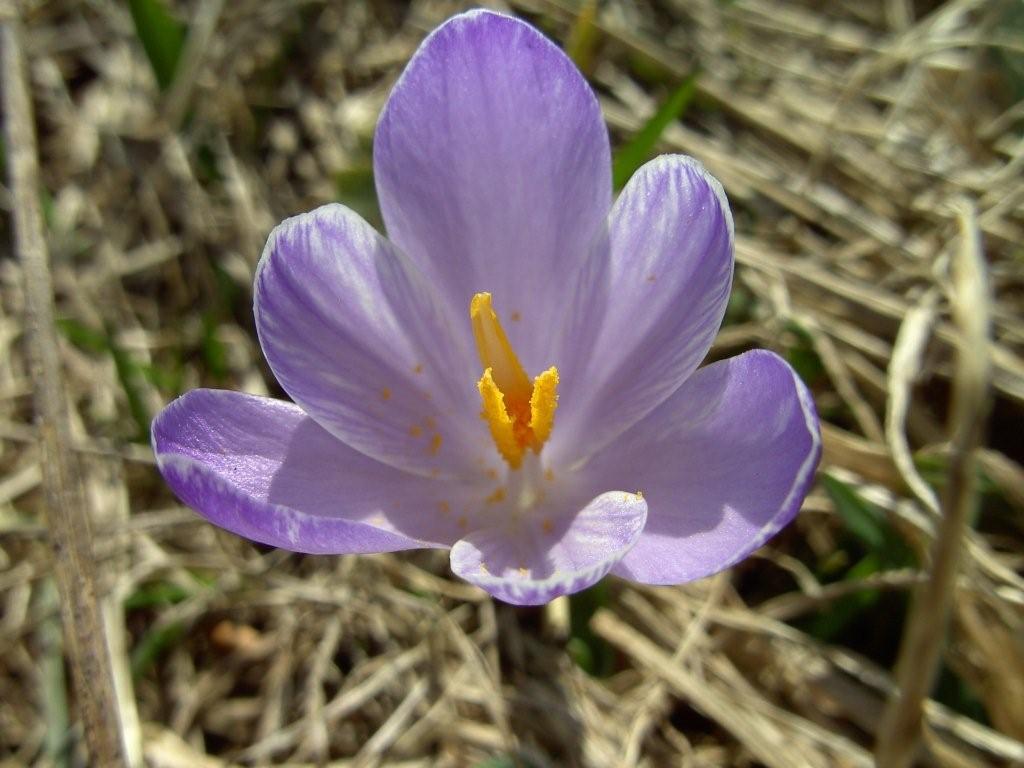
[(519, 413)]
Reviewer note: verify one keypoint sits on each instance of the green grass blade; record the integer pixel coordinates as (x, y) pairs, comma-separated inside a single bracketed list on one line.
[(869, 525), (52, 678), (153, 644), (356, 188), (591, 653), (162, 37), (863, 519), (640, 148), (584, 37), (130, 374)]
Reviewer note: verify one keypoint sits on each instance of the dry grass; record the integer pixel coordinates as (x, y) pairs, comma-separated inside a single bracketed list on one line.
[(853, 145)]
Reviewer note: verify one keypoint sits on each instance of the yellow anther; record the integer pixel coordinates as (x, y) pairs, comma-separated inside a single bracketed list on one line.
[(520, 413), (543, 402), (497, 418)]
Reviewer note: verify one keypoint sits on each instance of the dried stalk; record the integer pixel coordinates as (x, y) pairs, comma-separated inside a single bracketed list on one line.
[(900, 732), (905, 366), (67, 511), (201, 33)]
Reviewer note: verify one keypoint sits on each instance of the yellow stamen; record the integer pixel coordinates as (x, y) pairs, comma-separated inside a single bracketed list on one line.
[(520, 414), (502, 430), (543, 402)]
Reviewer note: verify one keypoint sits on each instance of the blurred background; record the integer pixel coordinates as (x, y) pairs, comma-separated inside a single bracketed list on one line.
[(864, 145)]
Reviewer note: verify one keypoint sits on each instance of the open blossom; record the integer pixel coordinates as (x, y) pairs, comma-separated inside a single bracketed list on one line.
[(512, 374)]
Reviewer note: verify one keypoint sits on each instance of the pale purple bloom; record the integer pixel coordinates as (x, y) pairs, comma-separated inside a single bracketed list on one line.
[(493, 171)]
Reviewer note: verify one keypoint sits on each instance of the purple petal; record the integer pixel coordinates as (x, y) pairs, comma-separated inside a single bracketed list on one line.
[(724, 464), (648, 305), (354, 336), (493, 170), (263, 469), (532, 558)]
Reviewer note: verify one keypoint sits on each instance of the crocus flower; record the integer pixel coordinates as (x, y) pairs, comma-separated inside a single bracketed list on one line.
[(512, 375)]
